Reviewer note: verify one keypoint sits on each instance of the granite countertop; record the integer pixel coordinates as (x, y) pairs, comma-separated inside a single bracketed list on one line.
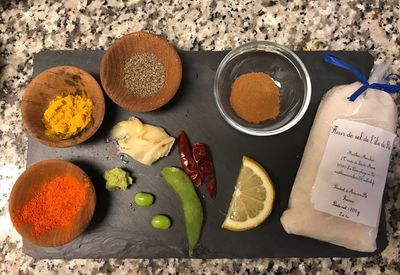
[(27, 27)]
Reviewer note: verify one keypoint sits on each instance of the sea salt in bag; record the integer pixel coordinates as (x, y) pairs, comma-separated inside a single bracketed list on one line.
[(337, 193)]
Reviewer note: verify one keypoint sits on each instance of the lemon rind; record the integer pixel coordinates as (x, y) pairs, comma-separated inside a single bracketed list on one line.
[(268, 203)]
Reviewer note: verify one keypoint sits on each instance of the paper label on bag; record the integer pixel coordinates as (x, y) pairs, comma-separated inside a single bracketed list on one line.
[(352, 174)]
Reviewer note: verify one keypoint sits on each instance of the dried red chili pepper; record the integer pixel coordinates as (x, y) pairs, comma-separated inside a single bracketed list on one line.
[(206, 167), (188, 163)]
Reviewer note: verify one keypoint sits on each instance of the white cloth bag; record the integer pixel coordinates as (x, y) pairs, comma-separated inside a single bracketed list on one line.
[(373, 107)]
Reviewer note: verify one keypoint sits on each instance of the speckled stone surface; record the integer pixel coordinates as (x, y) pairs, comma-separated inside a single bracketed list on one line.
[(26, 27)]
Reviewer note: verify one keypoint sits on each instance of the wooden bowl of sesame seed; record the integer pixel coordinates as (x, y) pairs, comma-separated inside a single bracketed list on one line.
[(141, 72)]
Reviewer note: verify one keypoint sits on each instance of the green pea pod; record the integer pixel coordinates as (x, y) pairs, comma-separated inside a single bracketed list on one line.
[(192, 209)]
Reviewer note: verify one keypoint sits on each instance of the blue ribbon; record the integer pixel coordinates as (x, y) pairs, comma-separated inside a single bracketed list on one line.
[(365, 85)]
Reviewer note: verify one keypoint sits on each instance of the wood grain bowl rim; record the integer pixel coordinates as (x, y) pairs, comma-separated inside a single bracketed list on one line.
[(124, 103), (91, 197), (86, 133)]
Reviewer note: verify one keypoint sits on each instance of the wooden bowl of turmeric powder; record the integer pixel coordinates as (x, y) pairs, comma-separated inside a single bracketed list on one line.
[(62, 106), (52, 203)]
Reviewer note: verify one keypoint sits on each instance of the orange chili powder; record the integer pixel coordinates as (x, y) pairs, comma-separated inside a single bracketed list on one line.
[(54, 205)]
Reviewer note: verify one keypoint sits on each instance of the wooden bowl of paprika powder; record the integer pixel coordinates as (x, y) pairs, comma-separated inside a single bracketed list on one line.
[(52, 203), (64, 98)]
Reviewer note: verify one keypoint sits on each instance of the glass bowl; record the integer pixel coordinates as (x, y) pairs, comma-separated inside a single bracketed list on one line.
[(288, 73)]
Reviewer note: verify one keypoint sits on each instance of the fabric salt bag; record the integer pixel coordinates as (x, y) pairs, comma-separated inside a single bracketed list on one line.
[(368, 105)]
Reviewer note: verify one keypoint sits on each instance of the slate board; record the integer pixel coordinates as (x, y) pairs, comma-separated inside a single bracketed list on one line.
[(119, 230)]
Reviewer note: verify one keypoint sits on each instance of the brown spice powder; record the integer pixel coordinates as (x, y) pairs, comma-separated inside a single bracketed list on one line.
[(255, 97)]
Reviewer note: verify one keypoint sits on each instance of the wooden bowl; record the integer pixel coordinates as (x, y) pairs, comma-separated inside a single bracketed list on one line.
[(27, 185), (60, 81), (112, 64)]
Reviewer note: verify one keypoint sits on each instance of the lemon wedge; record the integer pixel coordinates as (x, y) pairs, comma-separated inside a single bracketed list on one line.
[(252, 199)]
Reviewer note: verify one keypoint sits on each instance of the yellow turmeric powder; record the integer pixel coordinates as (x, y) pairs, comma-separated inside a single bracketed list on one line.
[(67, 116)]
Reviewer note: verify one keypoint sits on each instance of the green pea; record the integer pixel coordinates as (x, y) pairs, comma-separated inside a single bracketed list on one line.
[(192, 209), (144, 199), (161, 222)]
